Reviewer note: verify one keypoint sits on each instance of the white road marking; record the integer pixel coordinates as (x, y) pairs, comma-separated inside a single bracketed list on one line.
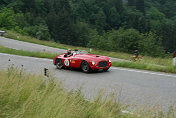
[(115, 68), (143, 71)]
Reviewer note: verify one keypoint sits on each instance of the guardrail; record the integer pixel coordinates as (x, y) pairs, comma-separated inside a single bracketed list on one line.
[(2, 33)]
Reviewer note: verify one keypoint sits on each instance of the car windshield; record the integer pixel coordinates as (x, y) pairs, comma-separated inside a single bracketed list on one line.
[(80, 52)]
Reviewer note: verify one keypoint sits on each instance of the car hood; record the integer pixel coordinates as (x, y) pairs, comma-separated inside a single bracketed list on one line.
[(93, 57)]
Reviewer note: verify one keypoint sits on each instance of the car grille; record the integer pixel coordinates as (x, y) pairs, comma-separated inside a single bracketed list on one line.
[(103, 64)]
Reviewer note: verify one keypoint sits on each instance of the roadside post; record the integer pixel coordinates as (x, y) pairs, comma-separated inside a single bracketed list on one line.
[(174, 59), (46, 73), (90, 49)]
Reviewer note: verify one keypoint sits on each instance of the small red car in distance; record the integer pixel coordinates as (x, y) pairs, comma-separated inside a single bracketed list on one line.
[(87, 62)]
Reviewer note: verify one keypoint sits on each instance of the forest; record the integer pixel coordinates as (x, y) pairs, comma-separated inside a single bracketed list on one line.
[(112, 25)]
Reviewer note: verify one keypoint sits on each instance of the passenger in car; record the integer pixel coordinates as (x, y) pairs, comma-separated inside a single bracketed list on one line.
[(75, 52)]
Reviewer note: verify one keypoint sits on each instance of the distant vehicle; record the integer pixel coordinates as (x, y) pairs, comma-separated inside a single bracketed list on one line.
[(2, 33), (87, 62)]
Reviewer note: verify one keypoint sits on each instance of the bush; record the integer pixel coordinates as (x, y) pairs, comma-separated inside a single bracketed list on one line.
[(31, 30), (125, 40), (7, 18), (121, 40), (43, 33), (21, 20), (95, 38), (151, 45), (40, 32)]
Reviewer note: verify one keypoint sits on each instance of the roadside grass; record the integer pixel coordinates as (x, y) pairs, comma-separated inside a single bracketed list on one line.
[(25, 95), (27, 53), (167, 61), (143, 66), (135, 65)]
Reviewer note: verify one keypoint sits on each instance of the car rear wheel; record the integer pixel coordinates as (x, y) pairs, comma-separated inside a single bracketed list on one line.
[(59, 64), (85, 67)]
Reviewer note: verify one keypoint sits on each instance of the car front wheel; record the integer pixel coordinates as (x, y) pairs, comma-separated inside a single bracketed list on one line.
[(85, 67), (105, 69)]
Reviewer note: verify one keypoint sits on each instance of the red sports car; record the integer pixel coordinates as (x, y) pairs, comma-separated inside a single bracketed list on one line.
[(86, 62)]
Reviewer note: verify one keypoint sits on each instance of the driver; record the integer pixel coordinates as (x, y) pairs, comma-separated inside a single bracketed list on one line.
[(69, 53)]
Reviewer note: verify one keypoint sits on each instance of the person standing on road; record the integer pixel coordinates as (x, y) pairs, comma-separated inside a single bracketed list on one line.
[(136, 53)]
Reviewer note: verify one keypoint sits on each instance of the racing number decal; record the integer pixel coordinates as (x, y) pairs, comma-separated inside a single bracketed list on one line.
[(66, 62)]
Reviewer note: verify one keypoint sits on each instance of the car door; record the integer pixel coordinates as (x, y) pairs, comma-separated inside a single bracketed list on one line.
[(66, 61), (75, 61)]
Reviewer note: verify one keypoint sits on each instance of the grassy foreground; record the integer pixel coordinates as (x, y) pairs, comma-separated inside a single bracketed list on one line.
[(167, 61), (32, 96), (168, 69)]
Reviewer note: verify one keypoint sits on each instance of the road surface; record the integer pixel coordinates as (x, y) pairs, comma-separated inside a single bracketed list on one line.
[(21, 45), (135, 86)]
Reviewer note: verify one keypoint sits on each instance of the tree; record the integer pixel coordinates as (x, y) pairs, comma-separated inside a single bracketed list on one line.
[(155, 18), (140, 5), (82, 33), (113, 18), (59, 22), (131, 2), (119, 6), (100, 21), (132, 19), (168, 34), (7, 18)]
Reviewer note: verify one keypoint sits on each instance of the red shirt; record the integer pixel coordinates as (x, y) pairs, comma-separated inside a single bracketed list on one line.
[(174, 54)]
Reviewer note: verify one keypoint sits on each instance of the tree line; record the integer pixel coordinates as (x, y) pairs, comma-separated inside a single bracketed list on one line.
[(113, 25)]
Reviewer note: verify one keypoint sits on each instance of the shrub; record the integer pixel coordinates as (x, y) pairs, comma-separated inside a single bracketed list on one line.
[(151, 45), (31, 30), (125, 40), (7, 18), (43, 33)]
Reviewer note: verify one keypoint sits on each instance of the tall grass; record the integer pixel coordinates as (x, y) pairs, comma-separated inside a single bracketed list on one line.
[(32, 96), (167, 61)]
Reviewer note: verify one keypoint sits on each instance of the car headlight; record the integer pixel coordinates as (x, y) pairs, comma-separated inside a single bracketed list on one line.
[(110, 61), (93, 62)]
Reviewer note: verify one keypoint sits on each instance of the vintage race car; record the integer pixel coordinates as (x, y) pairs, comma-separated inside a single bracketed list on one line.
[(87, 62)]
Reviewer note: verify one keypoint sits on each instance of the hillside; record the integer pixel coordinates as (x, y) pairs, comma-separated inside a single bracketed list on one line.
[(112, 25)]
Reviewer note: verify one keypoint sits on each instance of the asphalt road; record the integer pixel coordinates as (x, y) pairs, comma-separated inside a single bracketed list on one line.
[(21, 45), (134, 86)]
